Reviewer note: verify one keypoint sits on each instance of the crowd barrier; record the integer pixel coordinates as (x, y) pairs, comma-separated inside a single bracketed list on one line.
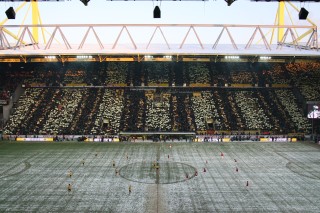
[(133, 138)]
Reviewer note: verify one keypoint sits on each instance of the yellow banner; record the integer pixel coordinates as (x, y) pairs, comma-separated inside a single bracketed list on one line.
[(225, 139), (37, 85), (280, 85), (44, 60), (166, 84), (241, 85), (199, 85), (119, 59), (10, 60), (196, 59)]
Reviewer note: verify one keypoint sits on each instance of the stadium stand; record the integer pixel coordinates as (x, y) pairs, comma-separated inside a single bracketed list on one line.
[(108, 98)]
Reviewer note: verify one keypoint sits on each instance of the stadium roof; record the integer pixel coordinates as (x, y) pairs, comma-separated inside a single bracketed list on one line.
[(162, 41), (126, 39)]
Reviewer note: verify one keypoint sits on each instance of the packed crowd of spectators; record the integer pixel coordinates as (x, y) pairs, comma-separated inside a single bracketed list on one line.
[(87, 111), (221, 73), (276, 74), (157, 112), (310, 92), (288, 100), (74, 76), (268, 102), (252, 111), (157, 73), (205, 111), (305, 76), (135, 73), (63, 110), (302, 67), (23, 111), (199, 73), (223, 110), (116, 73), (182, 114), (61, 117), (109, 113), (235, 117), (134, 111)]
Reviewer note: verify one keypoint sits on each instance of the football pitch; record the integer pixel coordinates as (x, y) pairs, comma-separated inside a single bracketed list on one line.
[(163, 177)]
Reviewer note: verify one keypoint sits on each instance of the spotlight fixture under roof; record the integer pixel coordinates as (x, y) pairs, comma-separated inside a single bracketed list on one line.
[(11, 14), (303, 14), (157, 12), (85, 2), (229, 2)]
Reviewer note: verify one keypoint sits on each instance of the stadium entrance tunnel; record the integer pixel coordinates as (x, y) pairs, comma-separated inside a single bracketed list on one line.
[(166, 172)]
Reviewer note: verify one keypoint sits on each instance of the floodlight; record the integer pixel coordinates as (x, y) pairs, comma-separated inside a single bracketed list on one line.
[(303, 14), (11, 14), (85, 2), (156, 12), (229, 2)]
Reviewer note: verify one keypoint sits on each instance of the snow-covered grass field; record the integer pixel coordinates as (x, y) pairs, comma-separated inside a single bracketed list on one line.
[(281, 177)]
